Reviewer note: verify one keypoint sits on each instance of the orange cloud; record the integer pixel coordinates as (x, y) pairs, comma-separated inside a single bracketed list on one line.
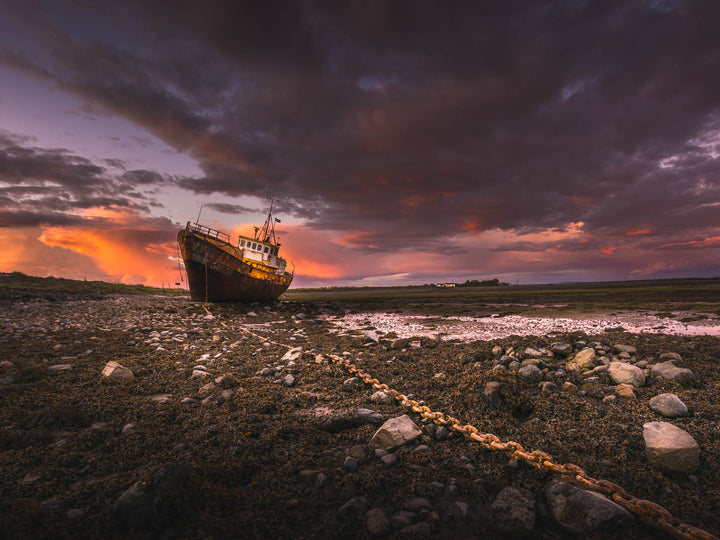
[(120, 259), (639, 231)]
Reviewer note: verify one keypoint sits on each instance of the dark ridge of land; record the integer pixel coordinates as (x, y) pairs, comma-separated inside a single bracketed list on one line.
[(700, 295), (20, 285)]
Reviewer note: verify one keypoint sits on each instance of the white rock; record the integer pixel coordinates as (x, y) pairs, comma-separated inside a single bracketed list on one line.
[(371, 337), (57, 368), (394, 433), (113, 370), (623, 373), (292, 355), (669, 406), (584, 359), (671, 448)]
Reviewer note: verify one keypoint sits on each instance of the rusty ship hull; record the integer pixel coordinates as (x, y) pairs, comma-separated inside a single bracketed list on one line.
[(218, 272)]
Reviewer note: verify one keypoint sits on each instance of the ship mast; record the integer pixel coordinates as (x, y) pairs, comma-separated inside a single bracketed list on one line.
[(267, 232)]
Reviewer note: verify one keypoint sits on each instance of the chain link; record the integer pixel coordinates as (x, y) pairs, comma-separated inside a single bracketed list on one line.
[(648, 512)]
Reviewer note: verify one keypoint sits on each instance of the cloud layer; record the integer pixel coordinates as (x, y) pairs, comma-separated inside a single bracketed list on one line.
[(559, 140)]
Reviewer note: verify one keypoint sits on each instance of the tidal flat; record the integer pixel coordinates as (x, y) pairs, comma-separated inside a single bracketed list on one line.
[(238, 422)]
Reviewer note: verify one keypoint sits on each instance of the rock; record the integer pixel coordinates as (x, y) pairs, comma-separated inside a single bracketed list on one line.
[(669, 406), (670, 357), (513, 511), (199, 374), (670, 372), (354, 507), (368, 416), (417, 504), (531, 374), (227, 381), (382, 397), (113, 370), (570, 388), (430, 342), (561, 349), (292, 355), (59, 368), (206, 389), (625, 391), (55, 505), (493, 391), (288, 380), (377, 523), (584, 359), (619, 348), (497, 350), (622, 373), (547, 388), (400, 343), (371, 336), (581, 512), (350, 464), (389, 459), (394, 433), (671, 448)]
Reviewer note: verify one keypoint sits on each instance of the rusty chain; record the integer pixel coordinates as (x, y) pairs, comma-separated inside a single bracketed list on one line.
[(650, 513)]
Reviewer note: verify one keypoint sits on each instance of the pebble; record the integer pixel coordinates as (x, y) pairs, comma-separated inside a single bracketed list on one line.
[(395, 433)]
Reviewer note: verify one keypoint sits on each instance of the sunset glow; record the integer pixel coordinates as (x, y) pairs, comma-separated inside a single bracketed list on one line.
[(491, 142)]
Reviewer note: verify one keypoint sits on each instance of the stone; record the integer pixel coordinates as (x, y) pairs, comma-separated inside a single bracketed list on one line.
[(670, 357), (530, 374), (570, 388), (350, 464), (547, 388), (116, 371), (620, 348), (368, 416), (583, 360), (59, 368), (671, 448), (582, 512), (497, 350), (382, 397), (371, 336), (352, 384), (377, 523), (669, 406), (417, 530), (561, 349), (354, 507), (292, 355), (513, 511), (623, 373), (430, 342), (400, 343), (417, 504), (55, 505), (288, 380), (394, 433), (625, 391), (670, 372)]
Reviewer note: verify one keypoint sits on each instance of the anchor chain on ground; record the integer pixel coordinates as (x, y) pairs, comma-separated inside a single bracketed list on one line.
[(650, 513)]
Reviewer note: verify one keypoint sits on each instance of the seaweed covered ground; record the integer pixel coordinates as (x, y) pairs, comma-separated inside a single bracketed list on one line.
[(219, 434)]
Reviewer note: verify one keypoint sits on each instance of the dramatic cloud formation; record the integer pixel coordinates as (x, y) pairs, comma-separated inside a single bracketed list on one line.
[(408, 141)]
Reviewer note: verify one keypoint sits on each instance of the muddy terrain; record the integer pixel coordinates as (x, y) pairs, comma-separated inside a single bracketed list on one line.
[(219, 433)]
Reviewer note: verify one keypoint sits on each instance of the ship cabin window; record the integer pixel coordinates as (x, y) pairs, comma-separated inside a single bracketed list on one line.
[(253, 246), (266, 249), (242, 243)]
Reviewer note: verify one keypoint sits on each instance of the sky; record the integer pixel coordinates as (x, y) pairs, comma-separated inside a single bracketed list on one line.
[(407, 142)]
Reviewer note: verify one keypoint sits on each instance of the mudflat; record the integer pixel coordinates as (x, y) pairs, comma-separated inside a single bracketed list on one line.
[(238, 421)]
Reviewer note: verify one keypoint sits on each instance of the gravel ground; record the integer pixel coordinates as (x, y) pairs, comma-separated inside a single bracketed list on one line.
[(262, 456)]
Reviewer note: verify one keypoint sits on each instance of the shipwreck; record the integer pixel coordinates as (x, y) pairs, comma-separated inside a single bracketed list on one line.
[(219, 271)]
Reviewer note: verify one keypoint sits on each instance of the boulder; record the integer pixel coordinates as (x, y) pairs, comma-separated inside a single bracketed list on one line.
[(530, 374), (671, 448), (670, 372), (623, 373), (669, 406), (394, 433), (561, 349), (581, 512), (113, 370)]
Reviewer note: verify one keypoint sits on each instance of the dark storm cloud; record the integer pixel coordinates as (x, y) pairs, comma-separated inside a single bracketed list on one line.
[(407, 123), (49, 186)]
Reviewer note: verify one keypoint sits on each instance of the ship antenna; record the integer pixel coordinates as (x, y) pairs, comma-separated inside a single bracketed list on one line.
[(200, 212)]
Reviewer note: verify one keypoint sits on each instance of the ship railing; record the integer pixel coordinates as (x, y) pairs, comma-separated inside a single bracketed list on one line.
[(207, 231)]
